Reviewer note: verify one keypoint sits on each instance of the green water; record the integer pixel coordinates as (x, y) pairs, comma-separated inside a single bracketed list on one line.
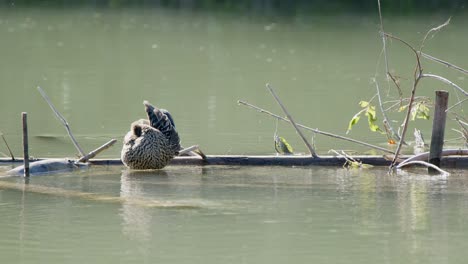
[(242, 215), (97, 66)]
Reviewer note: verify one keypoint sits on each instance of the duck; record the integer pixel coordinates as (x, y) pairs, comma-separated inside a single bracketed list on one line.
[(151, 143)]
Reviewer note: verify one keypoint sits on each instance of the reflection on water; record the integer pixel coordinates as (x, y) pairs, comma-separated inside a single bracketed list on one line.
[(255, 215)]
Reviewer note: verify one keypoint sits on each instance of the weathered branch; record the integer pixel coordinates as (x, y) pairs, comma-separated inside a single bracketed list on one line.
[(62, 120), (314, 129), (8, 147), (193, 151), (455, 105), (435, 30), (444, 80), (425, 156), (311, 149), (384, 114), (93, 153), (427, 164), (448, 64)]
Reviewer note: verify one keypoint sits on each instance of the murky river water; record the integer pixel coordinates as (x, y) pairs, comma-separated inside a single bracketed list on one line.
[(97, 66), (234, 215)]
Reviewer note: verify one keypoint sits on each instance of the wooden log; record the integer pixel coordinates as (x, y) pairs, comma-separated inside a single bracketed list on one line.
[(24, 118), (438, 129), (457, 161)]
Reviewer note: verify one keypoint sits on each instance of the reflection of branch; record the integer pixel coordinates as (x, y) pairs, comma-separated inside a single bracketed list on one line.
[(314, 129), (311, 149)]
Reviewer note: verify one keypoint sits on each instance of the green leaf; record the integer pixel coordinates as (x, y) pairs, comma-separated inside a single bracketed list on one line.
[(363, 104), (353, 121), (420, 111), (282, 146)]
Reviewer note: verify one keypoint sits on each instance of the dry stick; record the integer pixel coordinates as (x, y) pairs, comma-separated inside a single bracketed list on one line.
[(384, 114), (444, 80), (193, 151), (63, 121), (8, 147), (314, 129), (388, 75), (455, 105), (311, 149), (93, 153), (435, 30), (448, 64), (427, 164), (417, 78), (24, 118), (425, 156)]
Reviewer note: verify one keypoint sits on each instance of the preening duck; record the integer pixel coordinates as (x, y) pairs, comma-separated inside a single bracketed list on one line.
[(151, 143)]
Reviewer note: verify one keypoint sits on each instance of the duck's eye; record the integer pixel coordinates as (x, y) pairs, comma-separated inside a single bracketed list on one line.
[(137, 131)]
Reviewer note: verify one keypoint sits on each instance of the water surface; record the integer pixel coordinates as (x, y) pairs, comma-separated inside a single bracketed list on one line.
[(247, 215), (98, 65)]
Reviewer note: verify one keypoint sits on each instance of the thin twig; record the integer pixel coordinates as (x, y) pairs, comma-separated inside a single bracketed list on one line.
[(93, 153), (448, 64), (8, 147), (384, 42), (444, 80), (384, 114), (62, 120), (427, 164), (435, 30), (311, 149), (314, 129), (455, 105), (417, 77), (193, 151)]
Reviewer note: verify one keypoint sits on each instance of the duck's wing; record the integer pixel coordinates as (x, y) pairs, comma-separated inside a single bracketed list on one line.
[(163, 121)]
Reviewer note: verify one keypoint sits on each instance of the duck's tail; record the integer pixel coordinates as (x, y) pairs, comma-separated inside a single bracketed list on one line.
[(162, 120)]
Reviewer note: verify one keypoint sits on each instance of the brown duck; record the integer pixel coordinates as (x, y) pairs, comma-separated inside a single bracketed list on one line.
[(152, 143)]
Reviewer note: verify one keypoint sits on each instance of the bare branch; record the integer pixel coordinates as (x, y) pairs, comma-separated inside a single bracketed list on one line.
[(384, 114), (93, 153), (418, 68), (427, 164), (311, 149), (447, 81), (62, 120), (314, 129), (434, 30), (448, 64), (455, 105), (8, 147)]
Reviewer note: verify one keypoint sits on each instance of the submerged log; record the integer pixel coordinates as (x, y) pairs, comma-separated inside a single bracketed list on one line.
[(47, 166)]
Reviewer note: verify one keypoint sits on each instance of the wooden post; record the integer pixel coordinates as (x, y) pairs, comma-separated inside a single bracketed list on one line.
[(438, 129), (24, 117)]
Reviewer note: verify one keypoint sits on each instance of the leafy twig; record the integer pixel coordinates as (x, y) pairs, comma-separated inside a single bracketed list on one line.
[(311, 149)]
